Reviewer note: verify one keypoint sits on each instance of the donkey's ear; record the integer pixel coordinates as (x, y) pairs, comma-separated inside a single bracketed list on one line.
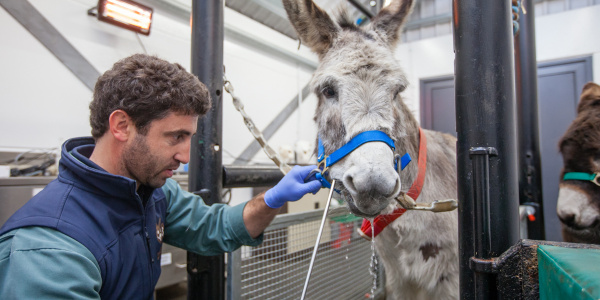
[(313, 25), (590, 97), (388, 21)]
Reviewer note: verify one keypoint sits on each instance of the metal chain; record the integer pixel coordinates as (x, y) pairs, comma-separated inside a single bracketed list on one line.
[(272, 154), (516, 5)]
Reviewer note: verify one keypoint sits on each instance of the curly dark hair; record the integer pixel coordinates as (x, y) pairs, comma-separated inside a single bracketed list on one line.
[(147, 88)]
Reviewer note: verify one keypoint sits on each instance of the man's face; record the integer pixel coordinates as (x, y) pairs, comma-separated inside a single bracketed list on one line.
[(150, 159)]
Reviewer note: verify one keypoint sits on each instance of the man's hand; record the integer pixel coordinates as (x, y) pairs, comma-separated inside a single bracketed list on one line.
[(292, 187), (260, 211)]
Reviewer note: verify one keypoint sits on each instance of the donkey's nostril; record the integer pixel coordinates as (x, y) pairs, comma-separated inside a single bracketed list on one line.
[(349, 183), (567, 219)]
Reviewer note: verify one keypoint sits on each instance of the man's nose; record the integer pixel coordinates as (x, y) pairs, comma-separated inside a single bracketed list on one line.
[(183, 155)]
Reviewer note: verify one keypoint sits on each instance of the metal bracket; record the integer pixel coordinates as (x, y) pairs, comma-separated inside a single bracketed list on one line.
[(480, 157), (481, 265), (495, 265), (489, 151)]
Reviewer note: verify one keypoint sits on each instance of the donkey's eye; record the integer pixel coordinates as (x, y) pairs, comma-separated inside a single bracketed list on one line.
[(328, 92)]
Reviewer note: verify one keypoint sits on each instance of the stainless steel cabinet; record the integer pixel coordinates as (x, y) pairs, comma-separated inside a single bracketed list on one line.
[(15, 192)]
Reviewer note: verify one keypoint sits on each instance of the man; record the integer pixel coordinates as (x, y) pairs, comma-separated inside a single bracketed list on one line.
[(97, 230)]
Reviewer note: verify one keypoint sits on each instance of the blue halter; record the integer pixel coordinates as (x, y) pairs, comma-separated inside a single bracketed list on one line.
[(325, 161)]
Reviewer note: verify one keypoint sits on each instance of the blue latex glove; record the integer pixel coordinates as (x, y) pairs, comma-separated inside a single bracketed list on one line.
[(292, 187)]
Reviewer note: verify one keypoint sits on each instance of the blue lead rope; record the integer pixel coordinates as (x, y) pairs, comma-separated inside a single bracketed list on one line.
[(357, 141)]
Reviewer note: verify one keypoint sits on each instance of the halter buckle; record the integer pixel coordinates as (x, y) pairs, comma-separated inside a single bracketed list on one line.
[(323, 165), (596, 179), (405, 201)]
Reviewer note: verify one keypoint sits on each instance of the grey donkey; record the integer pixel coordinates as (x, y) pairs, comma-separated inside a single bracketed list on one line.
[(358, 84)]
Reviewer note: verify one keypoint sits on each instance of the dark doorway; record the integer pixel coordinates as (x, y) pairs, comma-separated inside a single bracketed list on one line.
[(438, 111), (559, 86)]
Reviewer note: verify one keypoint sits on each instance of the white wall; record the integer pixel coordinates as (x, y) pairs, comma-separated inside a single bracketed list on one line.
[(573, 33), (265, 85), (563, 35), (42, 102), (424, 59)]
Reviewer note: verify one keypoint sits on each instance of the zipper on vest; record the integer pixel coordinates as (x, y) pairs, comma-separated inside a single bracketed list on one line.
[(149, 249), (148, 252), (147, 236)]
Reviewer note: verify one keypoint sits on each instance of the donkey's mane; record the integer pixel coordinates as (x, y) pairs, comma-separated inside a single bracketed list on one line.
[(345, 20), (584, 131)]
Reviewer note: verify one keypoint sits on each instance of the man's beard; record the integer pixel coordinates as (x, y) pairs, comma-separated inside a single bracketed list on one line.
[(142, 165)]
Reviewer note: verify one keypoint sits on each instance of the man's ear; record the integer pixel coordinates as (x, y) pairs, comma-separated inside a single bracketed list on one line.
[(120, 125)]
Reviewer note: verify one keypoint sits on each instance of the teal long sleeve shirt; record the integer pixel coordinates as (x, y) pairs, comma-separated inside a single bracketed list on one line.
[(42, 263)]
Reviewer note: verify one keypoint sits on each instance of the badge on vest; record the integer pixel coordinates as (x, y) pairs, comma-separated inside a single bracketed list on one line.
[(160, 231)]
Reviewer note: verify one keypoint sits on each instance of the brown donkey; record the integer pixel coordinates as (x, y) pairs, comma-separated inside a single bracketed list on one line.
[(358, 84), (578, 204)]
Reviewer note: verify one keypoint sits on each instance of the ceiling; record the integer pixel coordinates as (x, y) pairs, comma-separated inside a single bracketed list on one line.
[(272, 14)]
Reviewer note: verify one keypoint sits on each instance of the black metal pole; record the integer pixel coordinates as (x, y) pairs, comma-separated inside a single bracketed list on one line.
[(206, 275), (530, 172), (362, 8), (485, 112), (250, 176)]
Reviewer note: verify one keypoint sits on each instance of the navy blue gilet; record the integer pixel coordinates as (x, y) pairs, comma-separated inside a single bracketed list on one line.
[(104, 213)]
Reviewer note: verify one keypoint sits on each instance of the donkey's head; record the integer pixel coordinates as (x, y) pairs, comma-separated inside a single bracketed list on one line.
[(358, 82), (578, 204)]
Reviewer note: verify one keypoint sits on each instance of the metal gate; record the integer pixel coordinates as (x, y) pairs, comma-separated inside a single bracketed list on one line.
[(277, 268)]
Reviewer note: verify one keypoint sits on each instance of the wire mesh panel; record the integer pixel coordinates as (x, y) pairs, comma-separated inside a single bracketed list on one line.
[(277, 268)]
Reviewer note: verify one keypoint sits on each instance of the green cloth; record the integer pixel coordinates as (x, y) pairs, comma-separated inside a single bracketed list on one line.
[(568, 273), (579, 176), (346, 218), (42, 263), (206, 230)]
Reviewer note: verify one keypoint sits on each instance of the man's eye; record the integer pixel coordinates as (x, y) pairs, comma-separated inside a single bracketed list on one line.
[(328, 92)]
